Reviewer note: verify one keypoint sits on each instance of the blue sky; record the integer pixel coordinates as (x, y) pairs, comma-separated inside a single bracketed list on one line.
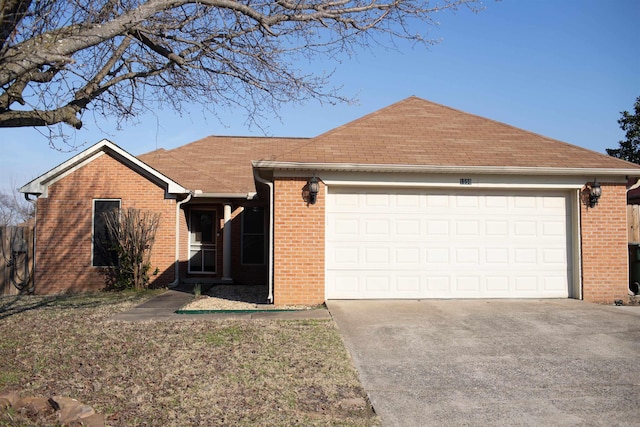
[(560, 68)]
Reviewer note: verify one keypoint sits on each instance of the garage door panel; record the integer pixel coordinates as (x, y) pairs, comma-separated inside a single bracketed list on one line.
[(407, 255), (408, 283), (345, 226), (497, 284), (415, 244), (556, 256), (407, 227)]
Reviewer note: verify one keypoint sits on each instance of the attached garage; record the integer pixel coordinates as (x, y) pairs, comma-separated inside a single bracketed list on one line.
[(443, 243), (419, 200)]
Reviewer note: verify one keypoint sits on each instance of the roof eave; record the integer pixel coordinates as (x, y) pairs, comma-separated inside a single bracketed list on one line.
[(496, 170)]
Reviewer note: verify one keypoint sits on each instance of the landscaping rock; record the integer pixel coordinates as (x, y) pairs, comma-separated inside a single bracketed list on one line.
[(68, 411), (59, 402), (95, 420), (8, 399), (35, 405), (74, 413)]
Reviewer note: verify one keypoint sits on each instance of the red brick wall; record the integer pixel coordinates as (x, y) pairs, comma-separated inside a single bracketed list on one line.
[(605, 273), (64, 225), (298, 244)]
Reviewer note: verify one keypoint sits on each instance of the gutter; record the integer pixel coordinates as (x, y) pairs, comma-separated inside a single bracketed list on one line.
[(248, 196), (497, 170), (270, 185), (176, 281)]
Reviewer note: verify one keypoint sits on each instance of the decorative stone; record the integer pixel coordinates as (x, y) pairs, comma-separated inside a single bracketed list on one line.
[(95, 420), (60, 402), (36, 405), (8, 399), (74, 413), (70, 412)]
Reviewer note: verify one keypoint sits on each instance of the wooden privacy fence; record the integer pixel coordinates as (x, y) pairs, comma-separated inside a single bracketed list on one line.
[(633, 223), (16, 259)]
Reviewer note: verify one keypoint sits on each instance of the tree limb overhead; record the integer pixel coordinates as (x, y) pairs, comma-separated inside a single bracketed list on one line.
[(60, 58)]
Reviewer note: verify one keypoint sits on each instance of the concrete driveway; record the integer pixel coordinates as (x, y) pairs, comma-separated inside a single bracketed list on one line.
[(495, 362)]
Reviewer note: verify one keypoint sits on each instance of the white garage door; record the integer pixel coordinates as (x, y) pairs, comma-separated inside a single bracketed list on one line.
[(443, 244)]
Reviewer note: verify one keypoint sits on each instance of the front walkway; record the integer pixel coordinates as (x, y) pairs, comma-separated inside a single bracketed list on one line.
[(164, 306)]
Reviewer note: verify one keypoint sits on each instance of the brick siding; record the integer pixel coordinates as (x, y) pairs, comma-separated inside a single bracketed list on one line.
[(298, 244), (605, 273), (64, 225)]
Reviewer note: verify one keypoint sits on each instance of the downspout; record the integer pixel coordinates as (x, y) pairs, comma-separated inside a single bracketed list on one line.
[(177, 261), (270, 185), (34, 202)]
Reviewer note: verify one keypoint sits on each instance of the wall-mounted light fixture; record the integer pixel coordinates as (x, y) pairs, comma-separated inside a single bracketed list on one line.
[(595, 191), (314, 188)]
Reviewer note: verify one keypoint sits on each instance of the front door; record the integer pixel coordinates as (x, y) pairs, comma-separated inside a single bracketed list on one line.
[(202, 242)]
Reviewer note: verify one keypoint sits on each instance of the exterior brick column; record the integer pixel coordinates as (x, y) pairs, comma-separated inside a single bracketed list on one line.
[(298, 248), (605, 270)]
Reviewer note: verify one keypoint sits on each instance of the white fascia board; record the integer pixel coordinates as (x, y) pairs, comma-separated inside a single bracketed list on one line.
[(484, 170), (39, 185)]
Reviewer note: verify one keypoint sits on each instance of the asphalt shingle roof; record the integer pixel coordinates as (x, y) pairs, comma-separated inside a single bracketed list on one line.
[(418, 132), (412, 132), (217, 164)]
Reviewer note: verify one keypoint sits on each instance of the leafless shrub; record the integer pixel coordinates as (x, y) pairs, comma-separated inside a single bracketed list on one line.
[(131, 234)]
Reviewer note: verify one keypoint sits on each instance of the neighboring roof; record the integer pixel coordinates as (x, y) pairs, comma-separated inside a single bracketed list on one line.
[(218, 164), (40, 184), (415, 132)]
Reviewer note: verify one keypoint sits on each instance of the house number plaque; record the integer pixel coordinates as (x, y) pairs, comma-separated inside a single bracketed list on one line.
[(465, 181)]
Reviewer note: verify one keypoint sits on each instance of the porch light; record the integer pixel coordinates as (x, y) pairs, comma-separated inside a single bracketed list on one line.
[(314, 188), (594, 193)]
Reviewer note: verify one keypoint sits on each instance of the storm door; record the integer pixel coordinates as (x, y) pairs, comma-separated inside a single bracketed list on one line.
[(202, 242)]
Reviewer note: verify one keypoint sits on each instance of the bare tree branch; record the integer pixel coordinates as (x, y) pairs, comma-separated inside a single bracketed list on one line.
[(60, 58)]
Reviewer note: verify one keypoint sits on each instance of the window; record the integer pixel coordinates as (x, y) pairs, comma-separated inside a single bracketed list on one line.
[(103, 253), (253, 241), (202, 242)]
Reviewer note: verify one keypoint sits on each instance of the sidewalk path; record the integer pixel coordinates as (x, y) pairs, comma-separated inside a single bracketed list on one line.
[(164, 306)]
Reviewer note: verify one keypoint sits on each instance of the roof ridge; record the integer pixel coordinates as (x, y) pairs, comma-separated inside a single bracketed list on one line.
[(367, 116), (343, 126)]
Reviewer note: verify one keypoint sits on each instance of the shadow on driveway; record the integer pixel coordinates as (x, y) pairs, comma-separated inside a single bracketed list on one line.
[(495, 362)]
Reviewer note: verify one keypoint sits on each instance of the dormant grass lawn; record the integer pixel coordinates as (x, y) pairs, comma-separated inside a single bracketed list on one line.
[(185, 373)]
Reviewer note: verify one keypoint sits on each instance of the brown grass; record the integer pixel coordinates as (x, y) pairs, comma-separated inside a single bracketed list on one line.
[(199, 372)]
